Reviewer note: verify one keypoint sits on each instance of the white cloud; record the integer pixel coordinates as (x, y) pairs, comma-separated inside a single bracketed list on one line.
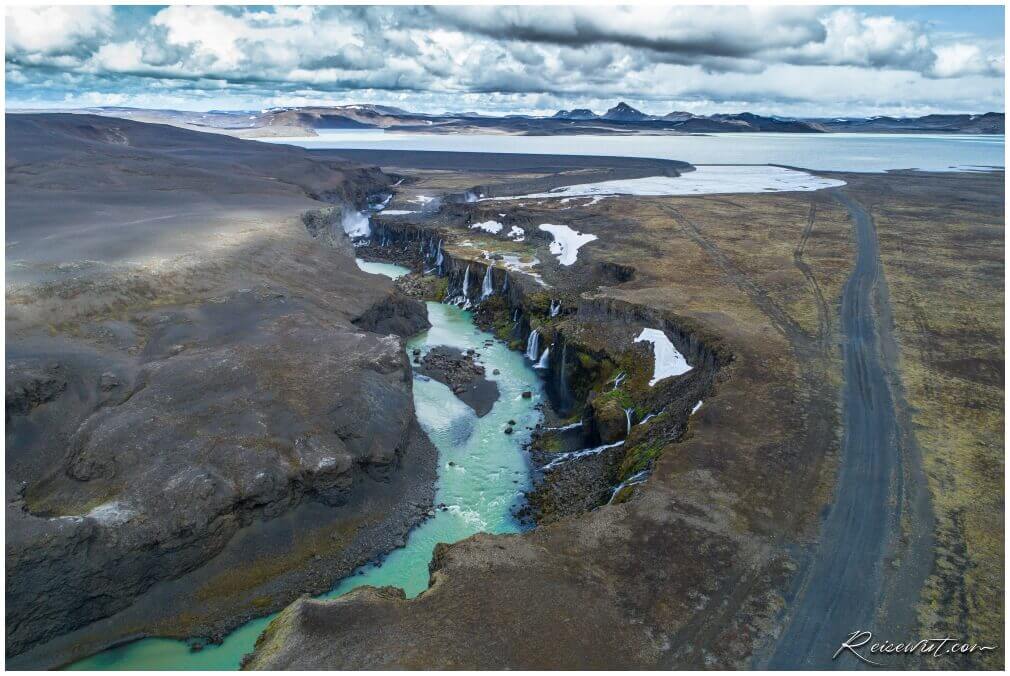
[(961, 59), (56, 30), (504, 58)]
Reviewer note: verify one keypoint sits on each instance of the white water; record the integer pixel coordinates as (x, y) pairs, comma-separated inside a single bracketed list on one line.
[(355, 224), (533, 345), (575, 455), (563, 428), (696, 407), (627, 415), (668, 360), (555, 308), (542, 363), (633, 480), (466, 282), (487, 287)]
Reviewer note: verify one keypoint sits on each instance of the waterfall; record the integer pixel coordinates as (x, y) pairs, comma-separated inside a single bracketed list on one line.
[(533, 345), (542, 363), (565, 428), (505, 286), (555, 308), (575, 455), (561, 371), (438, 256), (487, 288), (355, 224), (634, 480), (466, 282), (515, 314), (627, 415), (619, 379)]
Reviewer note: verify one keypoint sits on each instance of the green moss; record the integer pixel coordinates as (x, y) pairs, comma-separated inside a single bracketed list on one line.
[(538, 303), (638, 457), (622, 398), (262, 602), (549, 443), (441, 288)]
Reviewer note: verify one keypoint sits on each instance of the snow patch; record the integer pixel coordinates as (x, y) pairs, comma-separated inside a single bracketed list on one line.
[(494, 227), (704, 180), (567, 242), (669, 361)]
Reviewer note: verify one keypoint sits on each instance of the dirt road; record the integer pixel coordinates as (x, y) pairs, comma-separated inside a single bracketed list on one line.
[(842, 584)]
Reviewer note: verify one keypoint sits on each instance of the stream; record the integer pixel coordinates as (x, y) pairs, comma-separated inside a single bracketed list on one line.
[(482, 476)]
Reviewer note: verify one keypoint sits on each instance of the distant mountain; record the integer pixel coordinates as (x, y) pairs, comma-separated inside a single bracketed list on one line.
[(775, 124), (988, 123), (677, 116), (622, 112), (576, 114), (621, 119), (707, 125)]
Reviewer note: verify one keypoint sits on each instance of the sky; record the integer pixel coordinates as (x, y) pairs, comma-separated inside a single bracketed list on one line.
[(804, 61)]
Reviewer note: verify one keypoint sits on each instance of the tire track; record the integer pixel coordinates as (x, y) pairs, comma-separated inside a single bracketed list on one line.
[(823, 310), (841, 586)]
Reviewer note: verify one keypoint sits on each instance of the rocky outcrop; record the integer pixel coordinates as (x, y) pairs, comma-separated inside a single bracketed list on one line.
[(29, 386), (460, 372), (610, 419), (395, 314), (209, 410)]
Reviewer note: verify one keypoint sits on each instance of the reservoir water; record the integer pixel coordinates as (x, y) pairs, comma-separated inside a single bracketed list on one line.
[(482, 475), (826, 152)]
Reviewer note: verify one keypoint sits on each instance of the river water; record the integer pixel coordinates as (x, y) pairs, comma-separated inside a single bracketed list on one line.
[(825, 152), (482, 475)]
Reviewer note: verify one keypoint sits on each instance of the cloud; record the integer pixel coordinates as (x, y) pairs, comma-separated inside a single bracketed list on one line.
[(961, 59), (39, 32), (712, 31), (509, 57)]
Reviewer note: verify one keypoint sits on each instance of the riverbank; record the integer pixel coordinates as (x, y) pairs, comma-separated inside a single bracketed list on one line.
[(200, 394), (694, 568), (482, 476)]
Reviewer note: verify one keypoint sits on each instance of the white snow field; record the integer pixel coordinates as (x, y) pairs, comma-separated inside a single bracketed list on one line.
[(567, 242), (704, 180), (669, 360)]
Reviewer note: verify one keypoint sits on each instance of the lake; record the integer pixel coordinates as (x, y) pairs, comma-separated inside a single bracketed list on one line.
[(826, 152)]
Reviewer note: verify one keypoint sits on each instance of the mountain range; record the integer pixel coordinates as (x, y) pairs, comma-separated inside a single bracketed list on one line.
[(621, 119)]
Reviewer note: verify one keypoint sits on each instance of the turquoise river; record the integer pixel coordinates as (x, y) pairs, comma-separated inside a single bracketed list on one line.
[(488, 474)]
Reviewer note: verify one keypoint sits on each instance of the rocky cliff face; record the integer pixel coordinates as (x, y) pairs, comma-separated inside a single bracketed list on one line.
[(188, 397)]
